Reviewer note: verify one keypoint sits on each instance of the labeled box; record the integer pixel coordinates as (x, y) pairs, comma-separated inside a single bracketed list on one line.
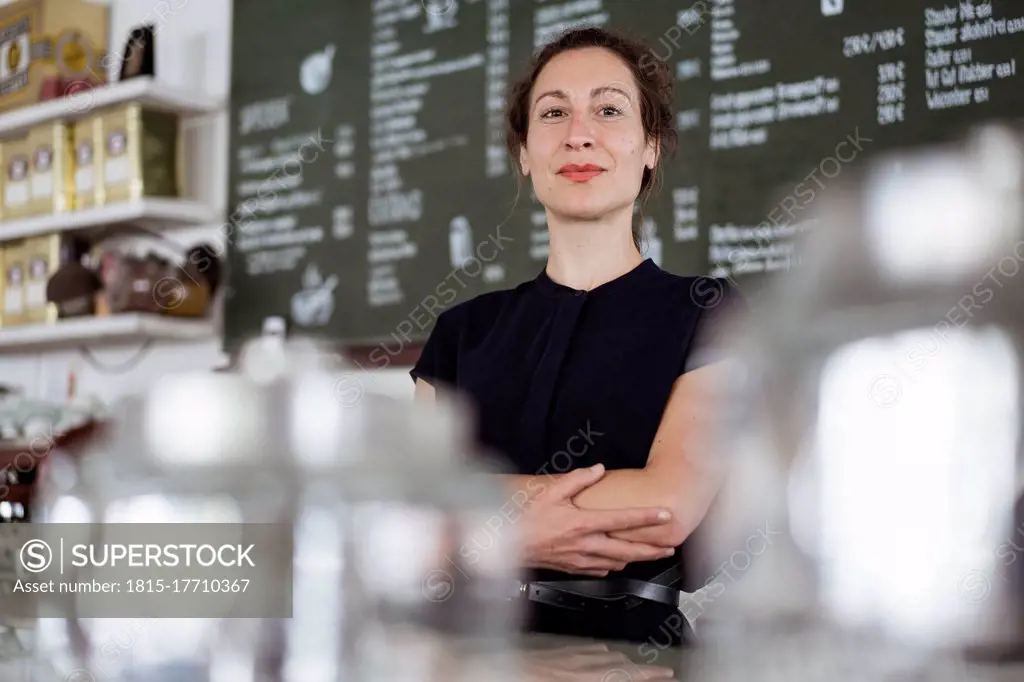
[(141, 154), (87, 135), (51, 184), (3, 280), (14, 284), (17, 189), (54, 43), (41, 257)]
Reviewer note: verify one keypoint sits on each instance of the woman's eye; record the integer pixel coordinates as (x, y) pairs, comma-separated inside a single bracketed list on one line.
[(609, 110), (551, 113)]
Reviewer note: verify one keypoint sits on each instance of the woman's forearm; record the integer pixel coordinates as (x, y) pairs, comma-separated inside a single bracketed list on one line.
[(624, 488), (522, 489)]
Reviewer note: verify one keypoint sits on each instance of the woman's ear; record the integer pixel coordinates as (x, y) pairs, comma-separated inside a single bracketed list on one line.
[(651, 153), (524, 165)]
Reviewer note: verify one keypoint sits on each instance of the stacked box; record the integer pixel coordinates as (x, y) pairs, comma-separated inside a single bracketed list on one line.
[(46, 40), (141, 156)]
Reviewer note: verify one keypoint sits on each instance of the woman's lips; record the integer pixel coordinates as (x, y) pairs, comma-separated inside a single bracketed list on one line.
[(581, 176), (580, 173)]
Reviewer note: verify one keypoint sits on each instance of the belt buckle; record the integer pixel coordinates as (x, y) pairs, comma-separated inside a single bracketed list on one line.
[(543, 593)]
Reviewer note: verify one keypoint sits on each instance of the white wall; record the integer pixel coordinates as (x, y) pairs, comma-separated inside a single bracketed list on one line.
[(193, 49)]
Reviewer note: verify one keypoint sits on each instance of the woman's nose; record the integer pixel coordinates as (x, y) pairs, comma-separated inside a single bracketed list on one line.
[(579, 135)]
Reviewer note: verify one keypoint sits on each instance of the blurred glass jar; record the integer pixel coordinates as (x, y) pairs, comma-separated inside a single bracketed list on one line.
[(370, 496), (399, 562), (873, 419)]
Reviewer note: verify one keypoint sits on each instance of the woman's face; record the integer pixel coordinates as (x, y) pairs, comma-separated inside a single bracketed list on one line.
[(585, 149)]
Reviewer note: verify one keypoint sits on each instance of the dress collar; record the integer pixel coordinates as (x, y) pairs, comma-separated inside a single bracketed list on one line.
[(641, 272)]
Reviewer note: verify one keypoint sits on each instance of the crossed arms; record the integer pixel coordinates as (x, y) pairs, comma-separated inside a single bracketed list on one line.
[(590, 521)]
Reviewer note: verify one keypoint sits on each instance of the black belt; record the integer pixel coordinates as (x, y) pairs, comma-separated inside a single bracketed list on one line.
[(588, 595)]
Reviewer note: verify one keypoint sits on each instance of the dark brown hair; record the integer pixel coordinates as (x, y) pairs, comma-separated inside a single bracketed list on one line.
[(654, 83)]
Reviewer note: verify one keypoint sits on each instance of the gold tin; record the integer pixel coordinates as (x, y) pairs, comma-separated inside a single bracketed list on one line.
[(17, 155), (50, 40), (41, 256), (140, 154), (14, 284), (52, 182), (88, 167), (3, 280)]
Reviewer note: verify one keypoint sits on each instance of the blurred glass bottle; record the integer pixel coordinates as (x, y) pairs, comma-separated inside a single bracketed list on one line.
[(399, 564), (195, 448), (375, 500), (431, 545), (460, 242), (873, 421)]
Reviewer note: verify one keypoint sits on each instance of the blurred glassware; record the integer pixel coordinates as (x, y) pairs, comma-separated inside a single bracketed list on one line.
[(388, 519), (34, 424), (873, 423)]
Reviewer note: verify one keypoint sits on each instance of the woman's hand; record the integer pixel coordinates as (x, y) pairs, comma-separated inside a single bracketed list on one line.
[(560, 536)]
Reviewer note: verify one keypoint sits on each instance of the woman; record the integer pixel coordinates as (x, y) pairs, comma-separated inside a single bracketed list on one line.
[(587, 378)]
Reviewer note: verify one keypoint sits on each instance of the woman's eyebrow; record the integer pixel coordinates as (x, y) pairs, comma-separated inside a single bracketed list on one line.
[(600, 90), (560, 94), (608, 88)]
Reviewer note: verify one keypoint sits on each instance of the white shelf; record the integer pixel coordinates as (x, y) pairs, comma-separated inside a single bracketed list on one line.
[(161, 211), (128, 328), (145, 90)]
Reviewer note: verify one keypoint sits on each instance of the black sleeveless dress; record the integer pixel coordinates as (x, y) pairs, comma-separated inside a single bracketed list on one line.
[(563, 379)]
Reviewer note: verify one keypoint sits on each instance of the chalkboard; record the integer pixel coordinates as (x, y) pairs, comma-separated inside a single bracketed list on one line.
[(370, 187)]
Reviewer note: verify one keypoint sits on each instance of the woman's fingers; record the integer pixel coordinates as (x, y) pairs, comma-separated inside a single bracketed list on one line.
[(589, 573), (599, 544), (597, 555), (588, 564), (612, 520)]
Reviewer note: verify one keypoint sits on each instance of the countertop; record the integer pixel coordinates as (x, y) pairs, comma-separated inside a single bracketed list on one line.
[(537, 658)]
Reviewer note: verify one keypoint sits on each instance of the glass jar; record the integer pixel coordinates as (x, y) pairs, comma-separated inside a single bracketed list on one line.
[(431, 544), (397, 569), (376, 501), (196, 448), (873, 422)]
